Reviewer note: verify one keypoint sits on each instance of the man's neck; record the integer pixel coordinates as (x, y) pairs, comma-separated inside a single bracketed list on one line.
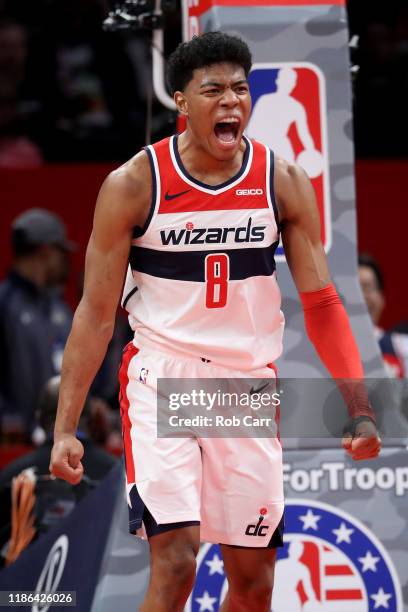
[(205, 167)]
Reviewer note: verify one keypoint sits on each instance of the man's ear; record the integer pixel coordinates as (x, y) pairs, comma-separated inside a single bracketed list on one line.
[(181, 103)]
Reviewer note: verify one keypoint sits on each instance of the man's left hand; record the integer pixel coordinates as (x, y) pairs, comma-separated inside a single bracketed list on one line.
[(364, 444)]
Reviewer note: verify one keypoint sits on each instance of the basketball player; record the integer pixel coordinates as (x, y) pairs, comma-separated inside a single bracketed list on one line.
[(198, 218)]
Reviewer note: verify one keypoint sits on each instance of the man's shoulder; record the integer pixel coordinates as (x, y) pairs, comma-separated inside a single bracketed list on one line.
[(126, 192), (294, 192), (289, 175), (132, 174)]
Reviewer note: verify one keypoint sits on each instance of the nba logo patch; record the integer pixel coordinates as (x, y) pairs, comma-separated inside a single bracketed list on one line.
[(143, 375), (289, 116), (330, 562)]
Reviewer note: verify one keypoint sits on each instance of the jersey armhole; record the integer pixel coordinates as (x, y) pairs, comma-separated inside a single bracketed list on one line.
[(271, 188), (140, 231)]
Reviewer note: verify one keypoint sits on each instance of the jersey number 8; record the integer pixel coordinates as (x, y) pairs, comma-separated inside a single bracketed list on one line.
[(216, 279)]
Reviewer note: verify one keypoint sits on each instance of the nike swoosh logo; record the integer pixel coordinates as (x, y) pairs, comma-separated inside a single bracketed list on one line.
[(171, 196), (259, 389)]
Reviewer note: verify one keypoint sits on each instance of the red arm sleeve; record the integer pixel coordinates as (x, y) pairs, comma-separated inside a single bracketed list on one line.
[(329, 330)]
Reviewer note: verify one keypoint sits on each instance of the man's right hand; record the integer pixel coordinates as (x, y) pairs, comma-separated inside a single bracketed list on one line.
[(66, 456)]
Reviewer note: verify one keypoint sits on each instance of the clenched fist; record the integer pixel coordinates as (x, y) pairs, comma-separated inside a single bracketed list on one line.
[(66, 456), (362, 440)]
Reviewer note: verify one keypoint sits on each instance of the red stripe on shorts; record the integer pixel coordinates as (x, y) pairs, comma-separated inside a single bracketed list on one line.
[(128, 352)]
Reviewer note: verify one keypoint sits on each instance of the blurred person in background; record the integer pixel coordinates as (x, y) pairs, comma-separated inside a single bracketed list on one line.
[(98, 111), (13, 56), (17, 149), (34, 318), (82, 92), (54, 498), (372, 286), (381, 86), (399, 334)]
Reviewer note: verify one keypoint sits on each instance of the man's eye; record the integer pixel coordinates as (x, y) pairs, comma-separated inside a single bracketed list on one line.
[(212, 91), (242, 89)]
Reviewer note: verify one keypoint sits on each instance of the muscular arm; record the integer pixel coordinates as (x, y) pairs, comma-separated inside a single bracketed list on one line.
[(122, 203), (326, 321), (300, 228)]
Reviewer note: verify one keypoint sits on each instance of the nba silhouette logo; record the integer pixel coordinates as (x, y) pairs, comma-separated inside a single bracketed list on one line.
[(289, 116), (331, 562)]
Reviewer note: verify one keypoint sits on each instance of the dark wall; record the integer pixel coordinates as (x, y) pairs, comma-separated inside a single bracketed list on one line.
[(382, 208)]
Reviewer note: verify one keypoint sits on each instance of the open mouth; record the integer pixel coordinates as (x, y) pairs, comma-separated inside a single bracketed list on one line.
[(227, 130)]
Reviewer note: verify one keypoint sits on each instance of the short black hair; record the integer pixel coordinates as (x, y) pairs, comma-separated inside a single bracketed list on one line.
[(368, 261), (205, 50)]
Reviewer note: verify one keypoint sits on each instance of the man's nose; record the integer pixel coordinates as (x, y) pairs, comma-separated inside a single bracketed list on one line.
[(229, 98)]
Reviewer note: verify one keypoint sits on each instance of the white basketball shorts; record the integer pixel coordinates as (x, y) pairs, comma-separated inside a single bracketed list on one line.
[(232, 487)]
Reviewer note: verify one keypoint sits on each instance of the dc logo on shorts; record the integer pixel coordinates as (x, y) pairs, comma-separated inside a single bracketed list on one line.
[(289, 115), (330, 561)]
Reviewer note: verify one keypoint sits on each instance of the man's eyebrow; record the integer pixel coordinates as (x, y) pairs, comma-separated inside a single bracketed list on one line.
[(210, 84), (215, 84)]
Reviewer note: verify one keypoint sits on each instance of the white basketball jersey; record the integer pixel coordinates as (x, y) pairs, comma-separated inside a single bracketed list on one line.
[(202, 276)]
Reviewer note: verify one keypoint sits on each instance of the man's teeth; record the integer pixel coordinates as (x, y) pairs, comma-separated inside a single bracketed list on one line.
[(229, 120)]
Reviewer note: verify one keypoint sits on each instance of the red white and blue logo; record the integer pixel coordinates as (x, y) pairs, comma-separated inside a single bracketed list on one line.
[(289, 114), (330, 562)]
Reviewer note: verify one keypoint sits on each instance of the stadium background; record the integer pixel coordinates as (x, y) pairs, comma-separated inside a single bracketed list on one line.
[(77, 149), (74, 165)]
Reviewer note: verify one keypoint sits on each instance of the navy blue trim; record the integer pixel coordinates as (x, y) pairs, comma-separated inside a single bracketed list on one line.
[(276, 540), (136, 510), (189, 265), (152, 528), (139, 513), (137, 231), (212, 187), (272, 189), (129, 295), (387, 345)]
